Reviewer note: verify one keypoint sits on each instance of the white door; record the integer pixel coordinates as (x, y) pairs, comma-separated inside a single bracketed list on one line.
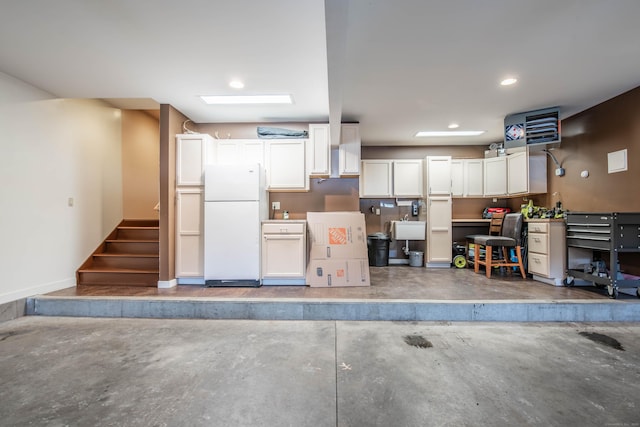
[(286, 165), (189, 233), (283, 256), (495, 176), (232, 241), (232, 182), (517, 173), (457, 177), (376, 179), (439, 230), (349, 150), (473, 171), (407, 178), (439, 175), (190, 157)]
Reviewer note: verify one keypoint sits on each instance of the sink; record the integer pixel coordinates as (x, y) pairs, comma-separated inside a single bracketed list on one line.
[(408, 230)]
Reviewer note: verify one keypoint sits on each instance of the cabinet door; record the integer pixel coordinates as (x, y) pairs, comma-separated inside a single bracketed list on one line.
[(517, 173), (192, 153), (457, 177), (189, 234), (495, 176), (349, 150), (283, 256), (252, 151), (319, 150), (285, 165), (439, 230), (239, 151), (227, 152), (473, 174), (407, 178), (439, 175), (376, 178)]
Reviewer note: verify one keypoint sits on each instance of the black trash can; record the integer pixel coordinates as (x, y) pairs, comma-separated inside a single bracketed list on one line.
[(378, 246)]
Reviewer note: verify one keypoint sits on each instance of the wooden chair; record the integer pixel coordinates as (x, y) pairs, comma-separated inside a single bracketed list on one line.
[(510, 237), (495, 228)]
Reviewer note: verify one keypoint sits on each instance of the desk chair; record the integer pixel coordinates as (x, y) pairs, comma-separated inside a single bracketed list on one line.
[(495, 228), (510, 237)]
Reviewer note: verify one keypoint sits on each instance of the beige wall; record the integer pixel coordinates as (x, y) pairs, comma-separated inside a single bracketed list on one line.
[(140, 165), (54, 150)]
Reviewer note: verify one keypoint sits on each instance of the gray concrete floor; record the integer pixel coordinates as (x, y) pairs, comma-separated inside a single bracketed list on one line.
[(143, 372)]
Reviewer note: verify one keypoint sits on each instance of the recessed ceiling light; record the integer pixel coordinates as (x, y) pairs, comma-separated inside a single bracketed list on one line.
[(509, 81), (453, 126), (236, 84), (450, 133), (247, 99)]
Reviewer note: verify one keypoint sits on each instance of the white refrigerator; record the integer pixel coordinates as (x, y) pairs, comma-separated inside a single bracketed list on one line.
[(235, 204)]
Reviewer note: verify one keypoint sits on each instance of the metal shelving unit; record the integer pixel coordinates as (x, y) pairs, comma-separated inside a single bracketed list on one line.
[(598, 233)]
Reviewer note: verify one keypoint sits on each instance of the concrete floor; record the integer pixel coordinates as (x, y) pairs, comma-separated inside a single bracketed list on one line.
[(161, 372)]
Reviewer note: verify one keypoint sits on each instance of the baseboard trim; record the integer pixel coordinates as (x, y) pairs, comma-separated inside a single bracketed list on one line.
[(36, 290), (167, 284)]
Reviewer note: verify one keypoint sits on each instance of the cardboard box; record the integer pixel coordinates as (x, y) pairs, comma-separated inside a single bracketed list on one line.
[(337, 235), (325, 273)]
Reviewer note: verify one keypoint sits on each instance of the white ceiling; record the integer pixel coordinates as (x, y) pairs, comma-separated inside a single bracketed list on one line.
[(396, 67)]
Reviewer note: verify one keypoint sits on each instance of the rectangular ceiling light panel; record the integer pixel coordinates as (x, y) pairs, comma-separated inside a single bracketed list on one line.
[(247, 99)]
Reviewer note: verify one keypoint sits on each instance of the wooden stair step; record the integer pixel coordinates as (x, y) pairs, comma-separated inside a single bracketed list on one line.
[(129, 256), (138, 233), (118, 278), (119, 270), (132, 261), (140, 223), (132, 246)]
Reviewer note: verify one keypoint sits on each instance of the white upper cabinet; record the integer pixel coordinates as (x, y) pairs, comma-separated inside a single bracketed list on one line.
[(467, 178), (376, 179), (319, 150), (285, 165), (457, 177), (239, 151), (439, 175), (407, 178), (349, 150), (474, 173), (391, 178), (193, 151), (495, 176), (526, 172)]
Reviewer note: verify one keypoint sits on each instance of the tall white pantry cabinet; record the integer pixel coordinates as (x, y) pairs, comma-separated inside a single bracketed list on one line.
[(439, 211), (193, 152)]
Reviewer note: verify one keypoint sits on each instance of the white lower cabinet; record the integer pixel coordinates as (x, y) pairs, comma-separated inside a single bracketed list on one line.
[(547, 259), (284, 252), (439, 232), (189, 233)]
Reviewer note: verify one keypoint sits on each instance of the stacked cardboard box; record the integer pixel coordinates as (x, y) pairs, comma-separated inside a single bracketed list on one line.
[(338, 250)]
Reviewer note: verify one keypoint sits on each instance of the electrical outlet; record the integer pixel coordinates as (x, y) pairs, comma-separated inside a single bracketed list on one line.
[(275, 205)]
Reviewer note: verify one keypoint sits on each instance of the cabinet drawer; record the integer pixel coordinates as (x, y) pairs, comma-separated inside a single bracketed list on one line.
[(538, 264), (538, 227), (282, 228), (539, 243)]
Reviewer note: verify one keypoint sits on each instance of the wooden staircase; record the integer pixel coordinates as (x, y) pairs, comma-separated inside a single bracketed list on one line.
[(129, 256)]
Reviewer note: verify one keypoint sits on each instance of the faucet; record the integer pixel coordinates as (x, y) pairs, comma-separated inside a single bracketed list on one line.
[(406, 217)]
